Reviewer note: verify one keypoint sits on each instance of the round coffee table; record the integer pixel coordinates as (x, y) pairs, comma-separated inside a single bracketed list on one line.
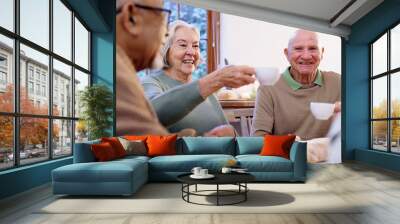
[(238, 179)]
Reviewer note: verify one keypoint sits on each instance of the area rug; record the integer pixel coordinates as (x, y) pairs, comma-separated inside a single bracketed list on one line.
[(166, 198)]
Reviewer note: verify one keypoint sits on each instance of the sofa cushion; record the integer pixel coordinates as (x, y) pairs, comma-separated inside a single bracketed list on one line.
[(257, 163), (161, 145), (135, 137), (133, 147), (277, 145), (206, 145), (118, 177), (249, 145), (131, 158), (103, 152), (112, 171), (185, 163), (116, 145)]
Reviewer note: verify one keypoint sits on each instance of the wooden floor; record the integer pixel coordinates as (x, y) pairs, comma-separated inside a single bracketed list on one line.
[(377, 188)]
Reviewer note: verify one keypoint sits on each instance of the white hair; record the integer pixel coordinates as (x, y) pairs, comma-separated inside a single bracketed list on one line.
[(173, 27), (296, 32)]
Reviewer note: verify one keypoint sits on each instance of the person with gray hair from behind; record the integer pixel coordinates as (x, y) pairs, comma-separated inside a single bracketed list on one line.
[(141, 26), (181, 102)]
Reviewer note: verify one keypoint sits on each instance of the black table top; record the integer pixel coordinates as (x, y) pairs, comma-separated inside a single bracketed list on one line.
[(220, 178)]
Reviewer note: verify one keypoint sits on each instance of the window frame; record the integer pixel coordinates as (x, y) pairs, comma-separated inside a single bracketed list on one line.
[(16, 114), (388, 74)]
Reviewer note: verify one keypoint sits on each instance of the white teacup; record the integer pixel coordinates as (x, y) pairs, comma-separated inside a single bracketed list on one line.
[(203, 172), (226, 170), (196, 170), (267, 76), (322, 111)]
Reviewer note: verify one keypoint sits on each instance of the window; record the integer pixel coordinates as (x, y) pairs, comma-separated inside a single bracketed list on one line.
[(3, 78), (62, 29), (62, 129), (45, 131), (43, 77), (30, 72), (37, 74), (62, 74), (30, 87), (385, 94), (203, 20), (44, 91), (7, 85), (6, 142), (81, 81), (3, 61), (81, 45), (3, 72), (38, 89), (7, 14), (35, 22)]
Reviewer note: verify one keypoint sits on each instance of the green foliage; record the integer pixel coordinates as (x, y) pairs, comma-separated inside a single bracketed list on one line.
[(380, 127), (97, 103)]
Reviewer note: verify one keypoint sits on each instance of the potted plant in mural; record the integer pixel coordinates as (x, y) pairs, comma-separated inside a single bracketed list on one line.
[(96, 102)]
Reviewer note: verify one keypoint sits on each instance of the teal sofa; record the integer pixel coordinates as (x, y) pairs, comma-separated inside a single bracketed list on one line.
[(125, 176)]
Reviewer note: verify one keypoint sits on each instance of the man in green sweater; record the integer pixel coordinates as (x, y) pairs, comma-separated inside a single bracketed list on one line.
[(285, 107)]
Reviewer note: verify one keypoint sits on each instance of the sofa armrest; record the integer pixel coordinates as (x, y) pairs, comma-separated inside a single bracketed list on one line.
[(298, 155), (83, 152)]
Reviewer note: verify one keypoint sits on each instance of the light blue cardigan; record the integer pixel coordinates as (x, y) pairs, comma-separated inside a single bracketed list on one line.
[(180, 106)]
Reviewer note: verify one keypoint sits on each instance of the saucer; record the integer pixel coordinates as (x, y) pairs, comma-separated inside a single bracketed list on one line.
[(240, 171), (208, 176)]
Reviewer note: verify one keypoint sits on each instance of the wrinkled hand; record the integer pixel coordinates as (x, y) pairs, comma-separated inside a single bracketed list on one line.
[(220, 131), (232, 76), (235, 76), (187, 132), (317, 150)]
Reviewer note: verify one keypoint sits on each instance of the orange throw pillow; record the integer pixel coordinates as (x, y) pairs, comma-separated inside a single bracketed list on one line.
[(161, 145), (103, 152), (116, 145), (135, 137), (277, 145)]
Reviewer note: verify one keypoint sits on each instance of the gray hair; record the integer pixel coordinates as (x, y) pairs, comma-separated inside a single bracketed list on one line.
[(173, 27)]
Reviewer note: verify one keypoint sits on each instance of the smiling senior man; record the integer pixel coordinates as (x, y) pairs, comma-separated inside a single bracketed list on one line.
[(285, 107)]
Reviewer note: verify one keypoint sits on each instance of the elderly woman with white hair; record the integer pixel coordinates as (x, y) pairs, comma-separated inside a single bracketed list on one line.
[(181, 102)]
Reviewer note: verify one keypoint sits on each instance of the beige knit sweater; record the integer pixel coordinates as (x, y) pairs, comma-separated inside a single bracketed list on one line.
[(135, 115), (281, 110)]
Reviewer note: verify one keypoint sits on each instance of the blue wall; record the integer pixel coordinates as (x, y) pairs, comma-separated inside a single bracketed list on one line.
[(356, 74), (103, 56), (99, 16), (24, 178)]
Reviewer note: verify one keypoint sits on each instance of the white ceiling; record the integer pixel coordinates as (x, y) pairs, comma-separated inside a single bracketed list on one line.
[(317, 15)]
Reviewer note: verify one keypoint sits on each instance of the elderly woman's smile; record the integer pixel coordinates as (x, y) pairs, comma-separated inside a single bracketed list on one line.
[(184, 54), (188, 61)]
